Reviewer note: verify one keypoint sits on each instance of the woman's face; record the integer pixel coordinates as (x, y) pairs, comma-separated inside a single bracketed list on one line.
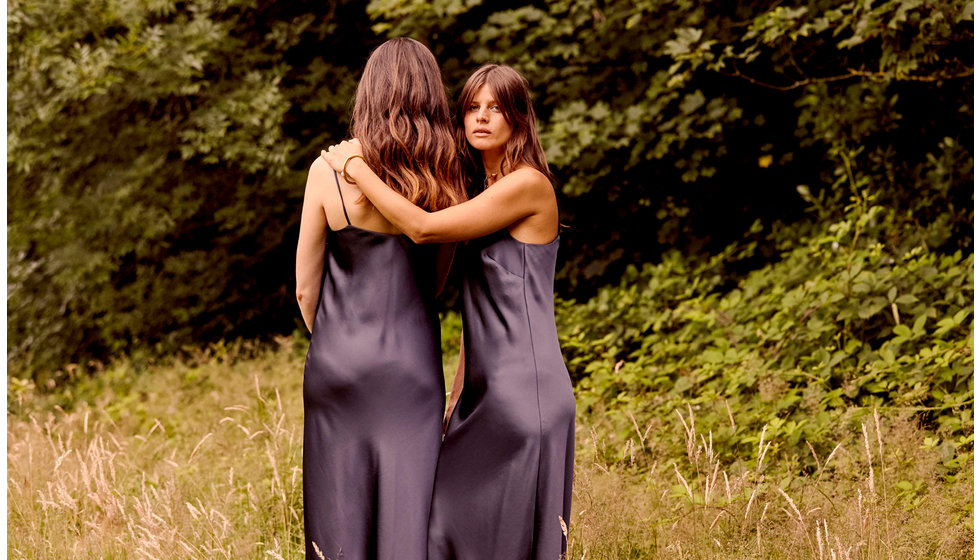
[(485, 126)]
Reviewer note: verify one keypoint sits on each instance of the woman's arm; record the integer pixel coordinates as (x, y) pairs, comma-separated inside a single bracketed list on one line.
[(457, 389), (518, 195), (311, 245)]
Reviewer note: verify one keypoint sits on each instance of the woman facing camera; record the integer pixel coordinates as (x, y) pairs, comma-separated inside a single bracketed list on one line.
[(504, 480), (373, 389)]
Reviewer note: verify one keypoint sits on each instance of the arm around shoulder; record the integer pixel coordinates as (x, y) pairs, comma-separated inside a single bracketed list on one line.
[(518, 195)]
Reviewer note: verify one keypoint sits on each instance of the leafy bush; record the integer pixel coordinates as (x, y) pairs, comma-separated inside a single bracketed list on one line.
[(855, 313)]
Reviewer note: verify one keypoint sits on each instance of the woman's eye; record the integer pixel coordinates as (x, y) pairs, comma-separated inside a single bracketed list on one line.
[(495, 108)]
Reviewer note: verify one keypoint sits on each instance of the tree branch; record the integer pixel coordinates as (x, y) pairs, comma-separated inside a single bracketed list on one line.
[(851, 73)]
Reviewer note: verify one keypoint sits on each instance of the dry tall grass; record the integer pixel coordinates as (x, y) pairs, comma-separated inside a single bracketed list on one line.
[(858, 504), (201, 459)]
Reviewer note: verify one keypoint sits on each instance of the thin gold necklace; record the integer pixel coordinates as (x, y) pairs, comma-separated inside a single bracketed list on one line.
[(486, 179)]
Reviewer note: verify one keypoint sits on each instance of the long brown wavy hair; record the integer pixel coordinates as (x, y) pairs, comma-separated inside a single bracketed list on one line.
[(402, 119), (510, 89)]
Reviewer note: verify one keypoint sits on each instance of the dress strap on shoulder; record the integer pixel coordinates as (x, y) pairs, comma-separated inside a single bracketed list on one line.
[(341, 198)]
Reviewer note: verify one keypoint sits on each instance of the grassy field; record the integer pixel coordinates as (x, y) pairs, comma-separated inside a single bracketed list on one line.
[(201, 458)]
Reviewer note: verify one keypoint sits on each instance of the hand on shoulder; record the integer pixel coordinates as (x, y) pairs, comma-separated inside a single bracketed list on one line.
[(338, 154)]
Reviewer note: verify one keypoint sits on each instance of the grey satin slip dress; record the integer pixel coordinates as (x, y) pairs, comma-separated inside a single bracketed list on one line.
[(373, 397), (505, 470)]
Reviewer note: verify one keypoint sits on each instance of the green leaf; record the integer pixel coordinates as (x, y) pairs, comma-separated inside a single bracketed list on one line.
[(902, 331)]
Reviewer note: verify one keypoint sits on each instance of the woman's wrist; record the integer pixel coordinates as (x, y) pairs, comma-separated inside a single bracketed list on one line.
[(354, 166)]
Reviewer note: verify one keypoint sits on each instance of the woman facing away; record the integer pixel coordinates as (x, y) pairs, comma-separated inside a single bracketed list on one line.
[(373, 390), (504, 480)]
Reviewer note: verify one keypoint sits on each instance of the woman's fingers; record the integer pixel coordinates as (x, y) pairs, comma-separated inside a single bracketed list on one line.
[(337, 154), (331, 157)]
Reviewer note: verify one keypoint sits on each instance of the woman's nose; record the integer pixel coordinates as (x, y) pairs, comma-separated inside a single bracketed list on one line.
[(482, 115)]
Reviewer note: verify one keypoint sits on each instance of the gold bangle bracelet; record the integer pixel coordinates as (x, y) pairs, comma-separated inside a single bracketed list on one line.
[(343, 172)]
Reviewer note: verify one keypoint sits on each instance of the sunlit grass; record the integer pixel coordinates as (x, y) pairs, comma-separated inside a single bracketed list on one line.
[(858, 504)]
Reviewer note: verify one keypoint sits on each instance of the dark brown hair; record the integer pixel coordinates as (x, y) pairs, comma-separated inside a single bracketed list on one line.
[(510, 89), (402, 119)]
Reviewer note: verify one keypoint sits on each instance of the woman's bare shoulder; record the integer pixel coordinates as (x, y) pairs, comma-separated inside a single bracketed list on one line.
[(531, 174), (321, 172), (531, 178), (320, 169)]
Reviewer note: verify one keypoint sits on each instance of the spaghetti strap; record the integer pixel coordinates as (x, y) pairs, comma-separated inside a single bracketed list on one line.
[(341, 198)]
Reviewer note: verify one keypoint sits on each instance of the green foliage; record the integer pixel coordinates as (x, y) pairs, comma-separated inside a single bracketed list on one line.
[(151, 196), (156, 151), (138, 141), (844, 321)]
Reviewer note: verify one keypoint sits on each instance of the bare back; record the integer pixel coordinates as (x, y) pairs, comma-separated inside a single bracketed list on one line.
[(343, 204)]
